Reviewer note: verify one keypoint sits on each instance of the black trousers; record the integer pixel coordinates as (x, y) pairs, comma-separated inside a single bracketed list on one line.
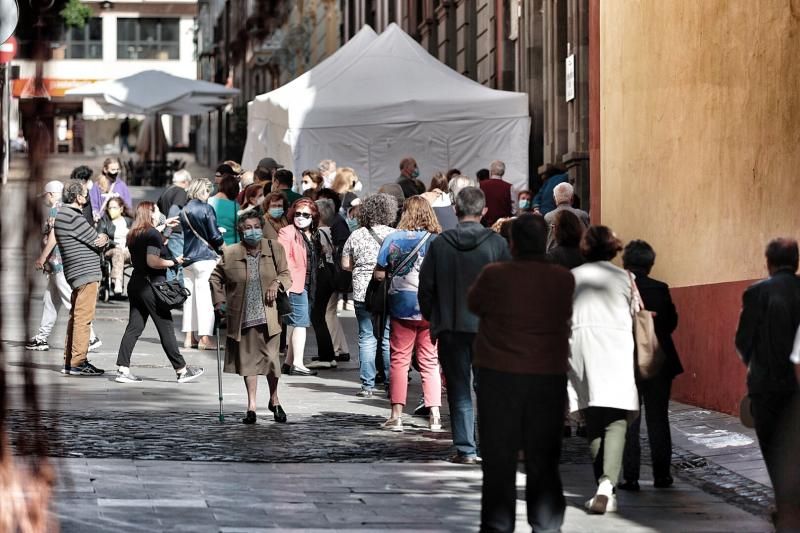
[(654, 395), (525, 412), (143, 305), (322, 296), (778, 430)]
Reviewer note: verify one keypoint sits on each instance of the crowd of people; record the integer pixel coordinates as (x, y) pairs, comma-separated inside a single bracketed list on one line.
[(508, 295)]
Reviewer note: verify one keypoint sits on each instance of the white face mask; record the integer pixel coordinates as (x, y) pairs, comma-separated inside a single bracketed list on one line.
[(306, 186), (358, 186), (302, 222), (90, 185)]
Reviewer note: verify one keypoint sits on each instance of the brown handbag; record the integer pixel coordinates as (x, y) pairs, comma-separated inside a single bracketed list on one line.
[(648, 355)]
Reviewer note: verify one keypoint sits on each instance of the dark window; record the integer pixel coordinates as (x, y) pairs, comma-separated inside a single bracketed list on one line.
[(148, 38), (86, 42)]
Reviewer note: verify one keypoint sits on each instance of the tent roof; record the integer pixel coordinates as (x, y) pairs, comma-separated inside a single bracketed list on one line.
[(154, 91), (392, 80), (343, 57)]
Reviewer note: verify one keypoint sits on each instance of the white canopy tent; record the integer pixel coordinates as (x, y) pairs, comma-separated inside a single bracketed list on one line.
[(382, 100), (153, 92)]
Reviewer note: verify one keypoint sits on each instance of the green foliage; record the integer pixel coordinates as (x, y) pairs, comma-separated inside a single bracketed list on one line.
[(76, 14)]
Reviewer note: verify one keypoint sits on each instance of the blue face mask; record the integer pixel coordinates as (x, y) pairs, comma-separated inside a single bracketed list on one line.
[(275, 212), (415, 174), (524, 204), (252, 236), (352, 223)]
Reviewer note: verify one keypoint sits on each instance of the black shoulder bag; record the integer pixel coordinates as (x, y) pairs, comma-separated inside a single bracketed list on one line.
[(169, 294), (342, 279), (282, 303)]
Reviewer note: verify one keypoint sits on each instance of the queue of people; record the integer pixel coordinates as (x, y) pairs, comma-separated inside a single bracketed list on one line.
[(462, 262)]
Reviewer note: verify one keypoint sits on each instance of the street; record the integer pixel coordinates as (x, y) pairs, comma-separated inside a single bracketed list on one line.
[(154, 456)]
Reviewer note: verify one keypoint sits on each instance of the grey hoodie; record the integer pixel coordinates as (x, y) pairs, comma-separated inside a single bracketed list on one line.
[(450, 267)]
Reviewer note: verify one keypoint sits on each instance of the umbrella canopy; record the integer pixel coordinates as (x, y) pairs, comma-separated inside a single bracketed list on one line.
[(153, 91)]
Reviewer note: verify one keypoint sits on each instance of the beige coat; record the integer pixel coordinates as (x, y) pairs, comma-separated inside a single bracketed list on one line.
[(229, 282)]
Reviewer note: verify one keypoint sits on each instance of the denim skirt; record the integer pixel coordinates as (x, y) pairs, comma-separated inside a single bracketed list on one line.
[(300, 316)]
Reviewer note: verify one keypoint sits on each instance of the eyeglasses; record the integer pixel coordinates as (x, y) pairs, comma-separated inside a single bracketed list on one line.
[(303, 215)]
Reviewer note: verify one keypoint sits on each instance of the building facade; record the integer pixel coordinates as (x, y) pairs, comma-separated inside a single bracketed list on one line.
[(256, 46), (511, 45), (119, 39)]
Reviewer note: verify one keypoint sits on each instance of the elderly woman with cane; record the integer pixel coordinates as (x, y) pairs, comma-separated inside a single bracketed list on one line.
[(245, 287)]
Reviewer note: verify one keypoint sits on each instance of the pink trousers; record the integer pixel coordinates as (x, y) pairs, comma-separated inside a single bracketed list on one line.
[(405, 336)]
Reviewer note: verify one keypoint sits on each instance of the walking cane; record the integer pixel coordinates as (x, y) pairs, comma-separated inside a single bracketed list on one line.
[(217, 321)]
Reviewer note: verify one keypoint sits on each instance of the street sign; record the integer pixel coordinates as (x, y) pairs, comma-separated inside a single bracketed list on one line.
[(570, 77), (8, 50)]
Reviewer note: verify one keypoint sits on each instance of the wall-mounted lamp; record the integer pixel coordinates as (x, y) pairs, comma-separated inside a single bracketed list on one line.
[(106, 4)]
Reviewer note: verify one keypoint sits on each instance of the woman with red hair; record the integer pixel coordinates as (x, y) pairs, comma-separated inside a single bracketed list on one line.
[(301, 242)]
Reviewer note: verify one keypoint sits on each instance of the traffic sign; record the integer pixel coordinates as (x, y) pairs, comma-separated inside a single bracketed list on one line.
[(8, 50)]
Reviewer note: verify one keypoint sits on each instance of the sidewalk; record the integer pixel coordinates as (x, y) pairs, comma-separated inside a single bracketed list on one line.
[(153, 456)]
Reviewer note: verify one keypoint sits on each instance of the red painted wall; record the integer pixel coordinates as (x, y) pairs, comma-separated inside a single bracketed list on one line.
[(714, 376)]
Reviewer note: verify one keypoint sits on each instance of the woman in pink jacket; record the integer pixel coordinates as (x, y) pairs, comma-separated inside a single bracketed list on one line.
[(300, 241)]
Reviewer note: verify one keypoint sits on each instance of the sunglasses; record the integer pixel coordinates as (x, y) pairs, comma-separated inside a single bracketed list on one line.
[(303, 215)]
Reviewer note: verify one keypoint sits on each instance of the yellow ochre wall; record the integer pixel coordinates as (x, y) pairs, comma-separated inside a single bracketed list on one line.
[(700, 131)]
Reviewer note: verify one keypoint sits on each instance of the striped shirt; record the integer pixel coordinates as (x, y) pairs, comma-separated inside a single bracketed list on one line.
[(75, 238)]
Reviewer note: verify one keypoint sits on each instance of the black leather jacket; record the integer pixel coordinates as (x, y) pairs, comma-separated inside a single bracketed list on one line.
[(203, 220)]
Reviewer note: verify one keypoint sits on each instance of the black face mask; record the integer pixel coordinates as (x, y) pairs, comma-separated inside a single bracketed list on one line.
[(112, 175)]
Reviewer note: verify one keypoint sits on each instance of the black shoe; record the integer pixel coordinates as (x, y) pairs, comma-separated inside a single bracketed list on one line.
[(286, 369), (663, 482), (632, 486), (460, 459), (380, 377), (294, 371), (343, 357), (86, 369), (250, 418), (279, 413), (421, 409)]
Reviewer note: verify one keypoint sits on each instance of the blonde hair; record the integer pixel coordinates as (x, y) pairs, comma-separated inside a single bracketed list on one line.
[(345, 179), (197, 187), (418, 215)]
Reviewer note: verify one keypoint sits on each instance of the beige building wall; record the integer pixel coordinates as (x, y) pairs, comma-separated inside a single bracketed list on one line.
[(700, 131)]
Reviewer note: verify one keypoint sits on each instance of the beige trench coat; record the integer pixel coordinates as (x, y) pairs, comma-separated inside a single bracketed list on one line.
[(229, 281)]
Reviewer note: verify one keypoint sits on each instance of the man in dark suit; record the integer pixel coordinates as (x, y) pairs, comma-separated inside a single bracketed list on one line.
[(654, 393), (765, 338)]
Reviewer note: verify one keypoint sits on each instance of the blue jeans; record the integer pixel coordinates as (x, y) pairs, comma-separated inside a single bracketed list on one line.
[(455, 356), (368, 346), (175, 246)]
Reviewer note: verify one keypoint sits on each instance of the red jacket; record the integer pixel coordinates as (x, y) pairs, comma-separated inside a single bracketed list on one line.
[(498, 199)]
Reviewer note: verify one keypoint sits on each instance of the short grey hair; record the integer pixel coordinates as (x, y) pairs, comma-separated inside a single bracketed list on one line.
[(197, 187), (470, 202), (459, 182), (253, 214), (181, 176), (326, 165), (563, 192), (497, 168), (327, 210), (72, 190), (379, 209)]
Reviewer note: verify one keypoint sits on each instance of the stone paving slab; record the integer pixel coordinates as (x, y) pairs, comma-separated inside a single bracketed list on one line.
[(266, 501)]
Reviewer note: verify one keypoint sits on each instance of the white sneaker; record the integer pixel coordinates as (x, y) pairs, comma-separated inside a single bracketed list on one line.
[(126, 377), (95, 343)]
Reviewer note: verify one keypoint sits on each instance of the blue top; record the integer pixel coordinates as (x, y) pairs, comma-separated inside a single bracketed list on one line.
[(403, 303), (544, 198), (226, 217), (199, 217)]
